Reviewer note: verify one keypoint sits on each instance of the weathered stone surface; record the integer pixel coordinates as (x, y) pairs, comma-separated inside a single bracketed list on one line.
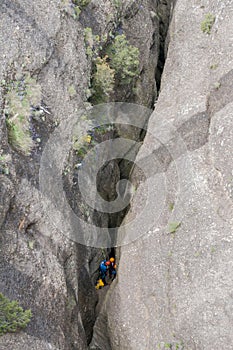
[(24, 341), (6, 193), (175, 289), (142, 29), (39, 266)]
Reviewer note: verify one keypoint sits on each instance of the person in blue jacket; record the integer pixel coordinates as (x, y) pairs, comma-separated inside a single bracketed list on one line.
[(103, 268)]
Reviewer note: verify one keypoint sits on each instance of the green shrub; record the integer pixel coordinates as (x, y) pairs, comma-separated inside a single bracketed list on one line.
[(81, 3), (217, 85), (207, 23), (89, 41), (171, 206), (12, 316), (103, 80), (81, 139), (94, 43), (72, 90), (4, 169), (214, 66), (124, 59), (77, 12), (19, 134), (88, 36), (21, 96), (117, 3), (119, 66), (173, 226), (168, 346)]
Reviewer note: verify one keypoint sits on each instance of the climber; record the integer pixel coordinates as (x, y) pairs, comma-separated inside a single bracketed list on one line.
[(99, 284), (103, 268), (112, 269)]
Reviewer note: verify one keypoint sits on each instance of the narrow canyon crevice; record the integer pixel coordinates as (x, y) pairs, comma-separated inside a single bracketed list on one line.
[(65, 80), (61, 61), (100, 338)]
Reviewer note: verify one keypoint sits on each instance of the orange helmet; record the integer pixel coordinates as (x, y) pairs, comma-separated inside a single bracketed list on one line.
[(112, 259), (107, 263)]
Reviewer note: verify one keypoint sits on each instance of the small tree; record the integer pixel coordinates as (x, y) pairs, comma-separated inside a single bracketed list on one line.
[(12, 316), (124, 59), (103, 80)]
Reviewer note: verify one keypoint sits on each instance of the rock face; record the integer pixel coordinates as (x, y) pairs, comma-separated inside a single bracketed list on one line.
[(174, 285), (39, 266)]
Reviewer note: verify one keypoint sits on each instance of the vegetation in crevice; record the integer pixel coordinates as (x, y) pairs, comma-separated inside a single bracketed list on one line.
[(89, 41), (74, 7), (79, 6), (94, 43), (81, 3), (124, 59), (173, 226), (4, 160), (72, 91), (116, 65), (207, 23), (12, 316), (22, 97), (103, 80), (171, 346), (91, 135)]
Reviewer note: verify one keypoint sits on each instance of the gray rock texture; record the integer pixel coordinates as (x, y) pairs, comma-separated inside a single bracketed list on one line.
[(174, 289), (174, 283), (39, 266)]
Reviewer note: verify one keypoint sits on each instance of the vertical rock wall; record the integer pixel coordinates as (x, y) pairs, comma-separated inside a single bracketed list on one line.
[(174, 285), (39, 266)]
